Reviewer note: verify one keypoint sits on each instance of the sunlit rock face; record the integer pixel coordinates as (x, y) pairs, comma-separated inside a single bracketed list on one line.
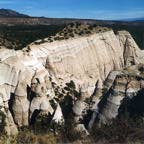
[(130, 48), (8, 82), (25, 75), (119, 87), (87, 59)]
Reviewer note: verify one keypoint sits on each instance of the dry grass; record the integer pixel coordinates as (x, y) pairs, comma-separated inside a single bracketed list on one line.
[(29, 138), (120, 131)]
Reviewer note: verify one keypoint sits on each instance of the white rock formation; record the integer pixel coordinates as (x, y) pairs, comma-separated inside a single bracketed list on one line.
[(118, 86), (58, 116), (79, 110), (40, 102), (83, 60)]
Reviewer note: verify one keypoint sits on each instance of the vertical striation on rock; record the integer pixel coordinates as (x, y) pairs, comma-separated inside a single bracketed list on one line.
[(25, 75)]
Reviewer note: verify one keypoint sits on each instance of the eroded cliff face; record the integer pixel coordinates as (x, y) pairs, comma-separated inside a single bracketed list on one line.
[(26, 76), (119, 87), (88, 59)]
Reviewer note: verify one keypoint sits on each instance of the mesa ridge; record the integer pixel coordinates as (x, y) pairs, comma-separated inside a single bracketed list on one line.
[(30, 77)]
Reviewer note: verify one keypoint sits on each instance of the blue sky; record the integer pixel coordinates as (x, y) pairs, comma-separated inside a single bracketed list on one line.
[(92, 9)]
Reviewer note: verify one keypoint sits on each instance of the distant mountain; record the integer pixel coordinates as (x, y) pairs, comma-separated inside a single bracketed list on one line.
[(11, 13), (11, 17), (18, 30), (134, 19), (140, 19)]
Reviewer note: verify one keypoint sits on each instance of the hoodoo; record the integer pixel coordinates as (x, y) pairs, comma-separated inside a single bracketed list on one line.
[(27, 76)]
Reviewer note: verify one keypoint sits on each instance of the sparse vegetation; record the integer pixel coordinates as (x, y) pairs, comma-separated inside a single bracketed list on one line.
[(120, 131), (28, 137), (18, 37), (78, 29)]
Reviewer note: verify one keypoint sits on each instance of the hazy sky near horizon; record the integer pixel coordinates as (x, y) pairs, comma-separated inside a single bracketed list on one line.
[(92, 9)]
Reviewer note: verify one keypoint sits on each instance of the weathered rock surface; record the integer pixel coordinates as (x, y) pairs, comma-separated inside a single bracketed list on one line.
[(79, 110), (58, 115), (119, 86), (25, 75)]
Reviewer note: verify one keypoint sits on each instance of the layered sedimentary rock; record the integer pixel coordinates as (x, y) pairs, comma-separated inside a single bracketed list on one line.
[(87, 58), (119, 86), (79, 110), (25, 75)]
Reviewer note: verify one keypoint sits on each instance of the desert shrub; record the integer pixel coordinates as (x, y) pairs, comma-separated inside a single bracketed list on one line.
[(88, 32), (4, 139), (42, 124), (17, 37), (57, 38), (66, 37), (71, 84), (46, 139), (81, 33), (71, 24), (120, 131), (141, 69), (50, 40), (71, 35), (68, 133), (28, 137)]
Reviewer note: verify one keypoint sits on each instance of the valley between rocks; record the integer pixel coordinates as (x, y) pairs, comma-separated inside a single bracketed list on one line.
[(65, 79)]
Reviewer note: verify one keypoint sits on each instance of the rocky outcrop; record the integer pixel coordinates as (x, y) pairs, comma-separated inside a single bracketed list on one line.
[(130, 48), (79, 110), (118, 87), (40, 101), (88, 58), (26, 75), (7, 85)]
